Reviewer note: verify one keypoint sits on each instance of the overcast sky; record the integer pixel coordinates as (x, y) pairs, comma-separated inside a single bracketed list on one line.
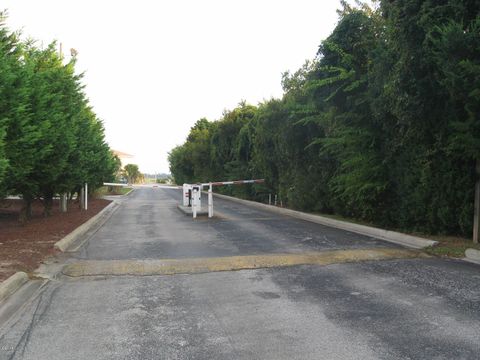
[(153, 68)]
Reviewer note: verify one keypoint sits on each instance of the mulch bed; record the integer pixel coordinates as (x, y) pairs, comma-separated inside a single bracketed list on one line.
[(24, 247)]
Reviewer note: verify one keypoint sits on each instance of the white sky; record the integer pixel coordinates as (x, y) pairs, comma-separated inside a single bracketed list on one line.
[(153, 68)]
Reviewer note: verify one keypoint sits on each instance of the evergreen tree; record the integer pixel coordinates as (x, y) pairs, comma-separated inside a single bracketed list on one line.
[(50, 140)]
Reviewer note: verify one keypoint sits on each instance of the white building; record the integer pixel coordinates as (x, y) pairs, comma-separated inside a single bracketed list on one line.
[(124, 157)]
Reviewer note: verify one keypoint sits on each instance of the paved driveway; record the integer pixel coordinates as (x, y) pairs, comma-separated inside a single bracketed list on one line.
[(154, 284)]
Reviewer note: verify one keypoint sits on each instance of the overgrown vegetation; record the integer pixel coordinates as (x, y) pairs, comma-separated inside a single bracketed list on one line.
[(451, 246), (132, 173), (382, 126), (51, 141)]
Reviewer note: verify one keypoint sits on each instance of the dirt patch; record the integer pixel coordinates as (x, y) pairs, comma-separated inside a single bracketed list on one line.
[(24, 247)]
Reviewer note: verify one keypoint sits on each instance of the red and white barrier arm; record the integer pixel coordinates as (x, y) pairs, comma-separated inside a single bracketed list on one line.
[(236, 182), (115, 184)]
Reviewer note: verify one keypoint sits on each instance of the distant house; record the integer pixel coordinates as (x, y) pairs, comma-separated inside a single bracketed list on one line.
[(124, 157)]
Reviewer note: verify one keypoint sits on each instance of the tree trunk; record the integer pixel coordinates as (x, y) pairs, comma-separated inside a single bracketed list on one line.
[(81, 195), (26, 211), (63, 203), (47, 203), (76, 192)]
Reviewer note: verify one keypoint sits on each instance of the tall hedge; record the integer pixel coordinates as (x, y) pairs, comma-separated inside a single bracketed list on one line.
[(382, 126)]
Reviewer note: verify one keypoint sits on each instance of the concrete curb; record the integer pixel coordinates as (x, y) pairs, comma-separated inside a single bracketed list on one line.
[(12, 284), (129, 193), (68, 240), (472, 255), (390, 236), (188, 211)]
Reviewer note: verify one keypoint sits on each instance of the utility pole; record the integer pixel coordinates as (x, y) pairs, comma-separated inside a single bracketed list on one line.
[(476, 219)]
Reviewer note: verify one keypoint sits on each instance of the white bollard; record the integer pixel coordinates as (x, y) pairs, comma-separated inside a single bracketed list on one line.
[(194, 204), (210, 202)]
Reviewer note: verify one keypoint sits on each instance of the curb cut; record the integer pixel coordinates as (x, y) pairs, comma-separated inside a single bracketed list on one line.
[(472, 255), (12, 284), (390, 236), (69, 239)]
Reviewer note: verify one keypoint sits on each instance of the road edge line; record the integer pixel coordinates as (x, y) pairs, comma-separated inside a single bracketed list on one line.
[(386, 235)]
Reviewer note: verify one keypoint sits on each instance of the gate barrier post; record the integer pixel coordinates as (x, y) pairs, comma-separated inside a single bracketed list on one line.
[(210, 201), (194, 203)]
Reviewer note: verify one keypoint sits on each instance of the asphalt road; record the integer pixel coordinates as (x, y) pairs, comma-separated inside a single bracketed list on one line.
[(415, 308)]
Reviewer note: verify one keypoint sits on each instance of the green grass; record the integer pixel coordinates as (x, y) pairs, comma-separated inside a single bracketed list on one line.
[(117, 190), (451, 246)]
